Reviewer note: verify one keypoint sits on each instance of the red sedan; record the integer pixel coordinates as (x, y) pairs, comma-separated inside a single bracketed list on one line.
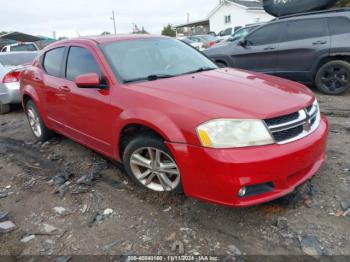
[(176, 121)]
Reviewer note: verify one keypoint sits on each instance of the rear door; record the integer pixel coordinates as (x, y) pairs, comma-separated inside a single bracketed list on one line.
[(88, 109), (49, 86), (260, 52), (304, 42), (339, 28)]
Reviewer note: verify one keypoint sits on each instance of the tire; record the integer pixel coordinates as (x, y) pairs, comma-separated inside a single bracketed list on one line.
[(146, 173), (4, 108), (40, 131), (333, 78), (221, 64)]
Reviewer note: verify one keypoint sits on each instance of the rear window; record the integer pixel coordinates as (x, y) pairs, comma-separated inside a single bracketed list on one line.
[(53, 61), (304, 29), (339, 25), (29, 47), (12, 59)]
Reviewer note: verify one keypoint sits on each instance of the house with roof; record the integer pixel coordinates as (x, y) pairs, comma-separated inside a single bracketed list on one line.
[(228, 14), (237, 13)]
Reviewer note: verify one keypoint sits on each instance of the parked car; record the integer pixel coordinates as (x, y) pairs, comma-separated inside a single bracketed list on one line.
[(11, 65), (175, 120), (197, 45), (23, 46), (311, 48), (207, 40), (228, 32)]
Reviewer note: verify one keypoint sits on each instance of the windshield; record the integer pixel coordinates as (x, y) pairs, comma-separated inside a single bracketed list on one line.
[(23, 47), (146, 59)]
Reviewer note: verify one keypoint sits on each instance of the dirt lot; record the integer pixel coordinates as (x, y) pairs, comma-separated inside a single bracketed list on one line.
[(313, 222)]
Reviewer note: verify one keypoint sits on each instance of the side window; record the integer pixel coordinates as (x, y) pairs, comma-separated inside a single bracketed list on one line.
[(304, 29), (53, 61), (81, 61), (266, 35), (227, 31), (339, 25)]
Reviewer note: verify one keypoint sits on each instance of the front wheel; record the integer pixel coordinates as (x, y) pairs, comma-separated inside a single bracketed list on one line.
[(149, 163), (333, 77), (40, 131), (220, 64)]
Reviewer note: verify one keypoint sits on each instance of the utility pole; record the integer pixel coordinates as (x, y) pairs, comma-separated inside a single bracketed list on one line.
[(113, 19), (188, 17)]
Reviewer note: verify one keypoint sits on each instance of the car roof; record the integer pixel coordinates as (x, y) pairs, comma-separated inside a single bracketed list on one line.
[(111, 38), (315, 14)]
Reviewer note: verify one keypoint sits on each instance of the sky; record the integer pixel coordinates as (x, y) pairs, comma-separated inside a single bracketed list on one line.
[(71, 18)]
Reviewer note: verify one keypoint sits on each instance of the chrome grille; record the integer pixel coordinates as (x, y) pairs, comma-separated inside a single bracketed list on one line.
[(292, 127)]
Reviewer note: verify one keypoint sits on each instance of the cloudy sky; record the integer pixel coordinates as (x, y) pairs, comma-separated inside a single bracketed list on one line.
[(90, 17)]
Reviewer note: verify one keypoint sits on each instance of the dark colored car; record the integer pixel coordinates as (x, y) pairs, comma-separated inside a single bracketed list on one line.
[(312, 48), (175, 120)]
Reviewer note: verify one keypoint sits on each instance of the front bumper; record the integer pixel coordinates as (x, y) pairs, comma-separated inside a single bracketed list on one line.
[(216, 175), (9, 93)]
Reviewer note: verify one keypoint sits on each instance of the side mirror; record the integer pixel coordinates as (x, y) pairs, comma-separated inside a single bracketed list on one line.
[(91, 80), (243, 43)]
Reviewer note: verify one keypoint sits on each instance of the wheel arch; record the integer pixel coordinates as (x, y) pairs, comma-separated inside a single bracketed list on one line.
[(323, 60), (145, 121), (28, 93)]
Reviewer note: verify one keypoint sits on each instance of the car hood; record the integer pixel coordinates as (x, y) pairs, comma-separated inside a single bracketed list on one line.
[(223, 93)]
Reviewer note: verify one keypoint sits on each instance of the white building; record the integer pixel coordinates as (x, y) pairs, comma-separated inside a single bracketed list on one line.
[(237, 13), (228, 14)]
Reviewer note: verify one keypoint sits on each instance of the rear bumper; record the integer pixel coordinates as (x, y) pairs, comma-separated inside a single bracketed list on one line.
[(217, 175), (9, 93)]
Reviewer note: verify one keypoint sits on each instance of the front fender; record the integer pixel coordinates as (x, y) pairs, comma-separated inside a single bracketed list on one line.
[(152, 119)]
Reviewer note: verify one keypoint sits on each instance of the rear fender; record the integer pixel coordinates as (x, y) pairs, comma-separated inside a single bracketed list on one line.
[(28, 90)]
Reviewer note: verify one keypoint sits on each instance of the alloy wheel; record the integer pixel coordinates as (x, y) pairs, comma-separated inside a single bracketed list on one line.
[(334, 78), (155, 169), (34, 122)]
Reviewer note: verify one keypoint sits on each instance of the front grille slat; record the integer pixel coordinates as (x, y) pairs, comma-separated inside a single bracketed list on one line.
[(282, 119), (293, 126)]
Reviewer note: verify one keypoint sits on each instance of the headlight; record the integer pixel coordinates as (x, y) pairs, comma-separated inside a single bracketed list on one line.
[(232, 133)]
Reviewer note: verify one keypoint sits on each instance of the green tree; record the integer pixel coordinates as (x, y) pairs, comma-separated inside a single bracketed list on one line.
[(169, 31), (105, 33)]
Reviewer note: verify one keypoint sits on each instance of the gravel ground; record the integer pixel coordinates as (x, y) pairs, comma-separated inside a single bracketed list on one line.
[(98, 211)]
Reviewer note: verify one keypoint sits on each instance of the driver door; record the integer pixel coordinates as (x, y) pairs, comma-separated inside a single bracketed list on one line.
[(260, 49), (88, 119)]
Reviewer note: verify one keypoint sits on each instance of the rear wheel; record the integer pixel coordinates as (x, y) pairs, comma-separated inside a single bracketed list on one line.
[(149, 163), (4, 108), (220, 64), (40, 131), (333, 78)]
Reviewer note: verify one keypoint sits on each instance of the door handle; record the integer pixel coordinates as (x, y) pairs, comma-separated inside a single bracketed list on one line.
[(269, 48), (319, 42), (65, 89)]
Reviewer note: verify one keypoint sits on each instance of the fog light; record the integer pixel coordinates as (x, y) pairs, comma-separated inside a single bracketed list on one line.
[(242, 191)]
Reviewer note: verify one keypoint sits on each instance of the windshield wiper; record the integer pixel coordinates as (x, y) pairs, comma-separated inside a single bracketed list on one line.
[(201, 69), (152, 77)]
